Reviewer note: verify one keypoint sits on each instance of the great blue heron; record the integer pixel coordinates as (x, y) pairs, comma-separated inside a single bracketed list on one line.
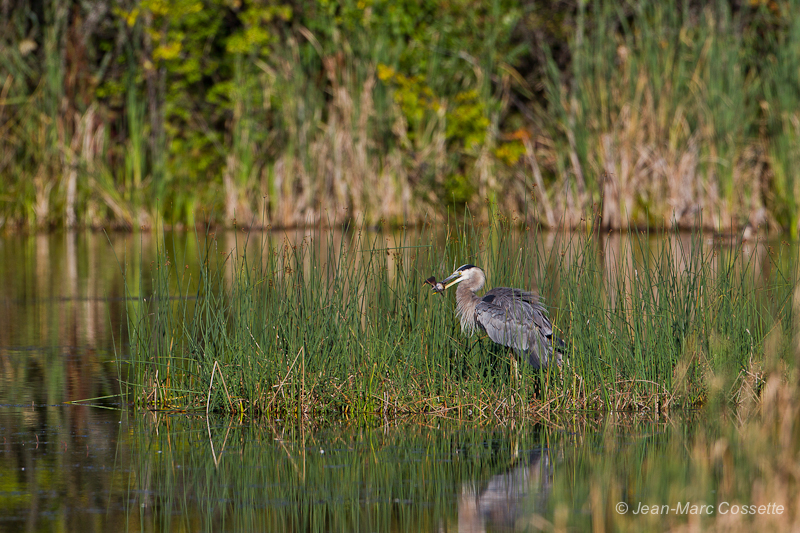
[(511, 317)]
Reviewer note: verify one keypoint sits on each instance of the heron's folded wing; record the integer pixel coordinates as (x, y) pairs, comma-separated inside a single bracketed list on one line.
[(511, 319), (502, 328), (524, 307)]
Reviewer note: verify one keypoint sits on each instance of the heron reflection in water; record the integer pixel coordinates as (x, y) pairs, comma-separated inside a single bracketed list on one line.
[(511, 500), (510, 317)]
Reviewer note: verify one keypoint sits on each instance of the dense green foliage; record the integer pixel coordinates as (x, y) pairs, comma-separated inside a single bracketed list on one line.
[(289, 113)]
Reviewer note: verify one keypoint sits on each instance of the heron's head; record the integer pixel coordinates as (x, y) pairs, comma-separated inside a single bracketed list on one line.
[(469, 273)]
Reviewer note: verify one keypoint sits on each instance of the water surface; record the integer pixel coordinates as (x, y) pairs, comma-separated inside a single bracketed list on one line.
[(74, 458)]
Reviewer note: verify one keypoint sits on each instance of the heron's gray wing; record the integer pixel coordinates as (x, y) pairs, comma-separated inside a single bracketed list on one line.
[(517, 319)]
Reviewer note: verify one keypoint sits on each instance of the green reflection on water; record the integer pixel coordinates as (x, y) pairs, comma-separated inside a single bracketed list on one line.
[(438, 475), (423, 475), (74, 468)]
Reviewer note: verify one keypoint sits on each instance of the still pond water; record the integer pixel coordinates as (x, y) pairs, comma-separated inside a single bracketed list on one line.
[(68, 464)]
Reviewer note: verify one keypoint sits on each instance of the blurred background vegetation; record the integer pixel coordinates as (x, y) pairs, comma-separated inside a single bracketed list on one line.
[(284, 113)]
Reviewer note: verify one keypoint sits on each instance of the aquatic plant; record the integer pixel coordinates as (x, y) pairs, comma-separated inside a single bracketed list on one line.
[(340, 322)]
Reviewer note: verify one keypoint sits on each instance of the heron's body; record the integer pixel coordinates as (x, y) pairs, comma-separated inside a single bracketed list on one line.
[(511, 317)]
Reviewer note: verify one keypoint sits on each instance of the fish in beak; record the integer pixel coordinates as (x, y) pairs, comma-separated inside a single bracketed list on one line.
[(450, 280), (437, 287)]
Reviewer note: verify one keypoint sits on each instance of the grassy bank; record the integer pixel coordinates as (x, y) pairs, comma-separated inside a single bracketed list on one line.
[(325, 322), (298, 113)]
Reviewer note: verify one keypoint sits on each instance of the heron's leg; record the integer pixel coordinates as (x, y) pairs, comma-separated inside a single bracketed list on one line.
[(471, 344), (514, 368)]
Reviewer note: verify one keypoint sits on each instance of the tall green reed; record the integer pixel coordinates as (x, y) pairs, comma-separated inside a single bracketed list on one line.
[(659, 99), (340, 323), (780, 108)]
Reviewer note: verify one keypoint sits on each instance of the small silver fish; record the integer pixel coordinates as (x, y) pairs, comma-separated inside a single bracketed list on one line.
[(437, 287)]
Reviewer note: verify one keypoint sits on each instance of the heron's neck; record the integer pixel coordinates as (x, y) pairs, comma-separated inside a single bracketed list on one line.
[(464, 291), (466, 301)]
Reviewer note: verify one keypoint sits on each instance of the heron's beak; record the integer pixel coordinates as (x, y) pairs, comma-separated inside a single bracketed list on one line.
[(451, 280)]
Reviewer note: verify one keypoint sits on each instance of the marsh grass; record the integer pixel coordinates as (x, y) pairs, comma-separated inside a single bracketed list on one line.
[(339, 323), (658, 117)]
